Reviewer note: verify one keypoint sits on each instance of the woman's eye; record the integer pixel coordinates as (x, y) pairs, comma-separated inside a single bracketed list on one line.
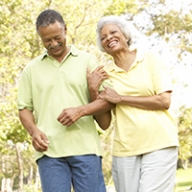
[(102, 38)]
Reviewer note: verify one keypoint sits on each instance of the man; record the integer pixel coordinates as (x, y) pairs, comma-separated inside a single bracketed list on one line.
[(54, 107)]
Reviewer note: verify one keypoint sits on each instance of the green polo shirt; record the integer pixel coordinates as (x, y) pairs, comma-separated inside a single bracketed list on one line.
[(47, 87)]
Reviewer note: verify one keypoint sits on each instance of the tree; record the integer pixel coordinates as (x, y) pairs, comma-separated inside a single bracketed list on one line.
[(161, 25), (185, 135), (18, 46)]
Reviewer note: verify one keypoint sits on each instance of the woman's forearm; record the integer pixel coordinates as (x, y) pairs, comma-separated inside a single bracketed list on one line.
[(156, 102)]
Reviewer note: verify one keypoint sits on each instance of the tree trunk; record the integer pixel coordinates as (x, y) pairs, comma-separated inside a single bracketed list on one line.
[(30, 176), (6, 185), (20, 166)]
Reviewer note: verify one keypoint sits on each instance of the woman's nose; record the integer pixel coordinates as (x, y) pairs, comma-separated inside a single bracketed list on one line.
[(109, 37)]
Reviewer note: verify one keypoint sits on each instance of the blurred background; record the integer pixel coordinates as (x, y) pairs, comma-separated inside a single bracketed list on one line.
[(162, 25)]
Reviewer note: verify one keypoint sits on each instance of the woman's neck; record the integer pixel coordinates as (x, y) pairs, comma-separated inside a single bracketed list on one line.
[(124, 60)]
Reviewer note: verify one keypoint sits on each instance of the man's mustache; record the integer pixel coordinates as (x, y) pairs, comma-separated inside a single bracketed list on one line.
[(54, 47)]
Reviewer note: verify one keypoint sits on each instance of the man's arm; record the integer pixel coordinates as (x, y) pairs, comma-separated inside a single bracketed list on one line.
[(100, 109), (70, 115), (39, 139)]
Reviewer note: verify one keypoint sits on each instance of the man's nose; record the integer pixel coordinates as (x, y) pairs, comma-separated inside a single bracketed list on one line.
[(54, 43)]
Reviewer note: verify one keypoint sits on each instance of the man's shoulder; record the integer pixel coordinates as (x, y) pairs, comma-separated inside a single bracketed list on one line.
[(37, 59), (34, 62), (80, 52)]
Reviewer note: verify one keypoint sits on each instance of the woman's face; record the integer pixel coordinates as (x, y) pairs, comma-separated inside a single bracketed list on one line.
[(112, 39)]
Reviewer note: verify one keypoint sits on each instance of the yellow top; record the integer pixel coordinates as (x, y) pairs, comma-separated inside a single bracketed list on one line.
[(139, 131)]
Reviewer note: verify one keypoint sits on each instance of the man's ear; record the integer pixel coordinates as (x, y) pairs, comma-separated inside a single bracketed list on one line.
[(65, 28)]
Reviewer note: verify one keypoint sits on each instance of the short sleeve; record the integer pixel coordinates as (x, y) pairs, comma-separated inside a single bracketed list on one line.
[(24, 99), (160, 75)]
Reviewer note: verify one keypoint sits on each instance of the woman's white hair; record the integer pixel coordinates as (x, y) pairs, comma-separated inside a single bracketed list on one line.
[(124, 25)]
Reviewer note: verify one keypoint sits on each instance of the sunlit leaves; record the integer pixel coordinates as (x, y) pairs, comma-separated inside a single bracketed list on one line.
[(20, 43), (185, 132)]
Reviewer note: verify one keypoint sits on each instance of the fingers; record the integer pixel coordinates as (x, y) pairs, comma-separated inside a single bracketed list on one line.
[(63, 118), (40, 144), (67, 117), (101, 97), (60, 117), (67, 121), (99, 68), (99, 73), (102, 74), (88, 71), (106, 88)]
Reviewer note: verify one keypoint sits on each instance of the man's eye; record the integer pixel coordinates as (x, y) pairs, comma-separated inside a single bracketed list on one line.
[(46, 40)]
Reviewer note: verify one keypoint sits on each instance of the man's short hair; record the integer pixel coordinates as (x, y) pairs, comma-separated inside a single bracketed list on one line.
[(49, 17)]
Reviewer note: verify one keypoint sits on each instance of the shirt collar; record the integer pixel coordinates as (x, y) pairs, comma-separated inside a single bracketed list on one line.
[(139, 57), (73, 51)]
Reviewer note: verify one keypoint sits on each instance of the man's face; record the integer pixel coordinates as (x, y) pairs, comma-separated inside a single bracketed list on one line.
[(54, 39)]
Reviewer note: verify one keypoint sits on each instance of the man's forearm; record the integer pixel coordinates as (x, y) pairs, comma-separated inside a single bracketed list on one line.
[(27, 120), (96, 107), (70, 115)]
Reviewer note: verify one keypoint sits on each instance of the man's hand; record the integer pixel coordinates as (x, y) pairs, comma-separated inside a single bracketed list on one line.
[(39, 141), (69, 116)]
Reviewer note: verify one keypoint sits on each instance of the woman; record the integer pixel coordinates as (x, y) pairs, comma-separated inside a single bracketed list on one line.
[(145, 146)]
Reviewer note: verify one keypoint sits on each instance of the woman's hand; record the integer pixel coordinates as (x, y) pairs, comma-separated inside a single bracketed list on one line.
[(96, 78), (154, 102), (110, 95)]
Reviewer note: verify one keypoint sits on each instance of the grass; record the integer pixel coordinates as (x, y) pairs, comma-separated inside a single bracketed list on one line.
[(183, 180)]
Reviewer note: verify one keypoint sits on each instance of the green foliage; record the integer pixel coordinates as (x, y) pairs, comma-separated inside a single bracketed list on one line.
[(10, 126), (174, 24), (20, 43), (185, 133), (81, 19), (183, 180), (30, 188), (119, 7), (106, 139)]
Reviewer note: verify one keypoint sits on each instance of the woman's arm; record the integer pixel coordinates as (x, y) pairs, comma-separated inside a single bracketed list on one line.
[(94, 80), (156, 102)]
